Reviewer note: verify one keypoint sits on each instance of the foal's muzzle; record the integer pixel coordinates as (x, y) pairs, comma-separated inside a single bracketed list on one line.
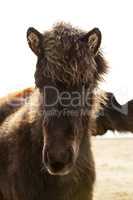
[(58, 162)]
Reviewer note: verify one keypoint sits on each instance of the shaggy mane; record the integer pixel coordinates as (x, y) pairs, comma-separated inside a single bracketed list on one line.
[(68, 59)]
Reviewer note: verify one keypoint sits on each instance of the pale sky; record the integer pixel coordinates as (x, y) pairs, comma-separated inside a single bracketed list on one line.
[(114, 18)]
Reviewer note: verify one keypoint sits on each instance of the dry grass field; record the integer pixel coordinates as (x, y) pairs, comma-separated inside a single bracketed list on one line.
[(114, 166)]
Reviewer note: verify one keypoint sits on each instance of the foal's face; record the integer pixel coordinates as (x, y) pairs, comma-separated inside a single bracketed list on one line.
[(61, 145), (62, 129), (66, 60)]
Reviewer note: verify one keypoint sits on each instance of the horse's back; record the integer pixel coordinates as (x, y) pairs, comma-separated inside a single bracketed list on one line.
[(13, 101)]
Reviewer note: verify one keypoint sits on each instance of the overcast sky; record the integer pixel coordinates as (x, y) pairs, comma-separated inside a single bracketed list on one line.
[(113, 18)]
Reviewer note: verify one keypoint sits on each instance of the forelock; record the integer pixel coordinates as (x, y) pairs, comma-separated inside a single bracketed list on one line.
[(67, 58)]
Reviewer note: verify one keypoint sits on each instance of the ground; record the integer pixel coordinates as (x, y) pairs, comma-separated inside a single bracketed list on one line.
[(114, 166)]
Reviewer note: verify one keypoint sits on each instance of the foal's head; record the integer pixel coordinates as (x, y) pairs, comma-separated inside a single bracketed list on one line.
[(66, 74)]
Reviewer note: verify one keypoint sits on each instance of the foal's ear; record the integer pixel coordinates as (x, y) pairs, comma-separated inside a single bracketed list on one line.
[(93, 38), (35, 39)]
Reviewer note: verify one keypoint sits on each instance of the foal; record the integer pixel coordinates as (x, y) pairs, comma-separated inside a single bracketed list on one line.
[(45, 150)]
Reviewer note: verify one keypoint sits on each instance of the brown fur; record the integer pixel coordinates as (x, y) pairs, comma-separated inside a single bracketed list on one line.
[(21, 176), (67, 59), (12, 102)]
